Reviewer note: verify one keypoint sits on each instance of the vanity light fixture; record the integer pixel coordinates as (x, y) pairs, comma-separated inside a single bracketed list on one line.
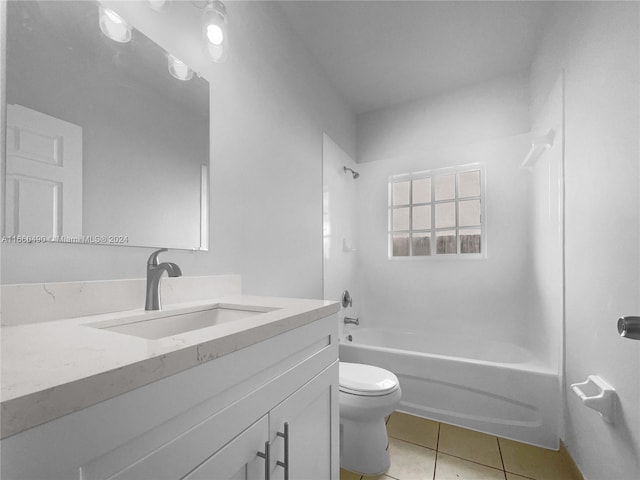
[(159, 5), (178, 69), (113, 25), (214, 27)]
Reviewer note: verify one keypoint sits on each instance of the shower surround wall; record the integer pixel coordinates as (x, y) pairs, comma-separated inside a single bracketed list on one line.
[(340, 227), (484, 298)]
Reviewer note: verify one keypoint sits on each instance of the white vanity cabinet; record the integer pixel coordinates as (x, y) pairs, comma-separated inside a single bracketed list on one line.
[(299, 450), (215, 421)]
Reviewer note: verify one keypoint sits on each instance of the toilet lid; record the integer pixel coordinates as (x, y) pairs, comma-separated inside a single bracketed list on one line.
[(367, 380)]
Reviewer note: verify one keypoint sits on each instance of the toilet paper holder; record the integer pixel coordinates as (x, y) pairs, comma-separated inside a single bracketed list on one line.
[(597, 394)]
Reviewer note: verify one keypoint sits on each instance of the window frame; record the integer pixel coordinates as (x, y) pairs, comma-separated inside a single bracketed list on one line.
[(432, 231)]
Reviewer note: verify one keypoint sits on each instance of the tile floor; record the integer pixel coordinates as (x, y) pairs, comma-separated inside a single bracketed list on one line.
[(422, 449)]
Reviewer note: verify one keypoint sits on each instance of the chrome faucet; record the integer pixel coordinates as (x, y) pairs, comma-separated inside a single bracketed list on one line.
[(354, 321), (154, 274)]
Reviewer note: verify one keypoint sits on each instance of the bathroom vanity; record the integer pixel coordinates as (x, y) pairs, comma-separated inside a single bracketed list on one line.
[(109, 397)]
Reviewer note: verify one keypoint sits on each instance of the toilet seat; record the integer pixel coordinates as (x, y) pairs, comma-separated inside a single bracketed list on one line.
[(366, 380)]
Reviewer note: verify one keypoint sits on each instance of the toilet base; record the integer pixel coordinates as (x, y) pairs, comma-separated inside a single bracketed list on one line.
[(364, 446)]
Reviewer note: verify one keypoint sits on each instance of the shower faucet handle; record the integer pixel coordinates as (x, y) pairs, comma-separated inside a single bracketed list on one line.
[(347, 301)]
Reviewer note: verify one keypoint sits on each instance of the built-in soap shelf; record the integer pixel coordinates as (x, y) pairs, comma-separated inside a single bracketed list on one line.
[(540, 143), (347, 245), (597, 394)]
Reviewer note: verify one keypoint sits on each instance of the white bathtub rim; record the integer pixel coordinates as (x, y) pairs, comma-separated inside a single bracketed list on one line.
[(533, 364), (530, 356)]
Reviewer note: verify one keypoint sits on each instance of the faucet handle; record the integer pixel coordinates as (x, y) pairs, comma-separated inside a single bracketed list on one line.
[(153, 258), (347, 301)]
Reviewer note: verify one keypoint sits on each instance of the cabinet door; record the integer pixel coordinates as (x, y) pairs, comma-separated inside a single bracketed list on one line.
[(312, 417), (237, 460)]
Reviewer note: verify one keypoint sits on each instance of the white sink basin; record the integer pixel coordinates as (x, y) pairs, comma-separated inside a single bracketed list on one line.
[(168, 323)]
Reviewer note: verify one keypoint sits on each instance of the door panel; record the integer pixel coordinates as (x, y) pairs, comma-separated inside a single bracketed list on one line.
[(44, 175)]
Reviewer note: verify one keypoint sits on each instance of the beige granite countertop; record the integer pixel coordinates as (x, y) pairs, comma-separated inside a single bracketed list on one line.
[(54, 368)]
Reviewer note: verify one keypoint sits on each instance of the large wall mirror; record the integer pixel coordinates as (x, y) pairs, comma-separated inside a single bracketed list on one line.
[(103, 145)]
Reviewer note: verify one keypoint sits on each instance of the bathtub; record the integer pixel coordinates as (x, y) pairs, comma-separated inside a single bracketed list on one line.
[(488, 386)]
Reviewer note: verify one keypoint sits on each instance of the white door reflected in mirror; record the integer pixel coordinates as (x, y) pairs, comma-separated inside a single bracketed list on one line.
[(44, 176)]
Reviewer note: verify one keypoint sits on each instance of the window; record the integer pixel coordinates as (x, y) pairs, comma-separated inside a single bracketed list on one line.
[(437, 213)]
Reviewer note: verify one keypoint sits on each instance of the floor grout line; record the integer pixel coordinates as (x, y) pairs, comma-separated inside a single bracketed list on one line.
[(473, 461), (435, 463), (504, 470), (413, 443)]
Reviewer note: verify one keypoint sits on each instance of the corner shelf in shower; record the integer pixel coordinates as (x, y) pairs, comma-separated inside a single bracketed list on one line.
[(540, 143), (347, 245)]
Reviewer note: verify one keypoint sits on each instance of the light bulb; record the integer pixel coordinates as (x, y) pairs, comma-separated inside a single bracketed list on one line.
[(214, 24), (178, 69), (113, 25), (159, 5), (215, 34), (113, 16)]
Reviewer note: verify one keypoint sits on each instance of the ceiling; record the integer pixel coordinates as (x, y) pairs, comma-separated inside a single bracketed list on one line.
[(381, 53)]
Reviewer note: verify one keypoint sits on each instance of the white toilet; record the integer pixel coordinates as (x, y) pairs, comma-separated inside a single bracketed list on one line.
[(367, 395)]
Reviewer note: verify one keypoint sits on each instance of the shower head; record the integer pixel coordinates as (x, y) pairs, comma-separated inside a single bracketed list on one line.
[(353, 172)]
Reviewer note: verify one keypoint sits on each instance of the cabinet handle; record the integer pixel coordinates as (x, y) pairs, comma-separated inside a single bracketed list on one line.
[(285, 464), (266, 455)]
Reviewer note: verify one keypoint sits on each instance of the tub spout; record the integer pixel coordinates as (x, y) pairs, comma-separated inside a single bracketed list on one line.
[(354, 321)]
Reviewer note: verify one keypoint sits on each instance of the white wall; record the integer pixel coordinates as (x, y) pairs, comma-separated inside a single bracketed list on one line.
[(270, 107), (341, 243), (597, 45), (480, 112)]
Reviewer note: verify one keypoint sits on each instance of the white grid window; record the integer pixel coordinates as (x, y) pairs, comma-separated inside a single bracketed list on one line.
[(437, 213)]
